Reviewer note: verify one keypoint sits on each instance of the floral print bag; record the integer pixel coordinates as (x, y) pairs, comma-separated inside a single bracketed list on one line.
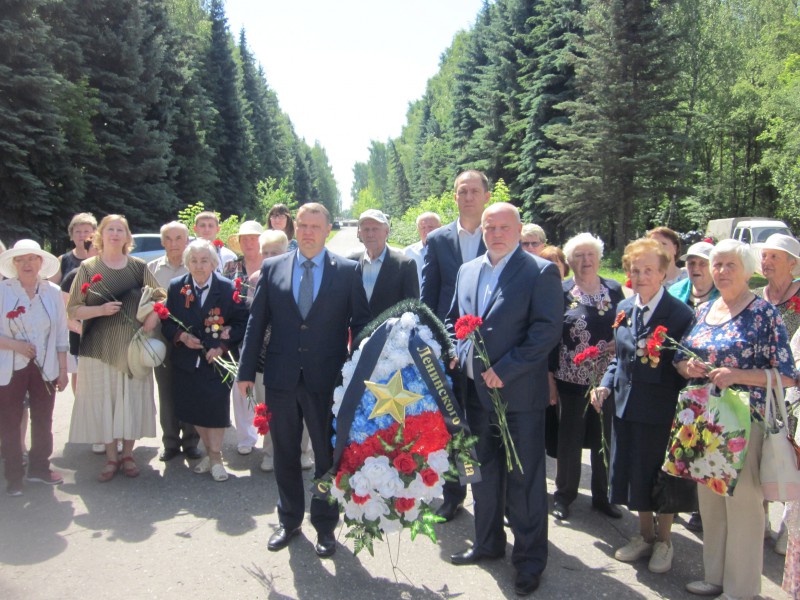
[(710, 432)]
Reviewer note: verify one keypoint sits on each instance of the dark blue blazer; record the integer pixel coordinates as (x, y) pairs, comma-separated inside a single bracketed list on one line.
[(397, 280), (642, 393), (442, 261), (521, 325), (220, 295), (316, 346)]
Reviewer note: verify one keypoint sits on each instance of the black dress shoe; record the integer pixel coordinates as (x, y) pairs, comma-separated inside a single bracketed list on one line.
[(449, 510), (525, 583), (695, 523), (193, 453), (326, 545), (608, 509), (167, 454), (470, 557), (280, 539), (560, 510)]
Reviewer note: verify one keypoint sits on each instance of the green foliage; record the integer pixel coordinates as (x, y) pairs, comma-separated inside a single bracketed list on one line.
[(187, 214), (271, 192)]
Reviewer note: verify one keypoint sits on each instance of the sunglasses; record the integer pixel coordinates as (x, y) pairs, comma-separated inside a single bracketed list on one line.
[(531, 244)]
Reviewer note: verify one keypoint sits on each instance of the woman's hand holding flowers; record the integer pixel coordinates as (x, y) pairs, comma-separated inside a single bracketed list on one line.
[(598, 395)]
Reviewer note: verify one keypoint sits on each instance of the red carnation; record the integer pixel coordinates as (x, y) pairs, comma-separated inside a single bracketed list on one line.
[(794, 304), (237, 297), (237, 283), (579, 358), (218, 244), (466, 325), (360, 499), (628, 283), (429, 477), (402, 505), (96, 278), (592, 352), (161, 310), (405, 463), (262, 419), (85, 289), (12, 315)]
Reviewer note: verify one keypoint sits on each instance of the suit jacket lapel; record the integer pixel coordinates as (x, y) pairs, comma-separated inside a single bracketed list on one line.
[(284, 275), (455, 245)]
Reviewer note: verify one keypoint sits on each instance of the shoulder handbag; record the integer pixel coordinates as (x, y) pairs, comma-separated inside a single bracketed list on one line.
[(780, 475)]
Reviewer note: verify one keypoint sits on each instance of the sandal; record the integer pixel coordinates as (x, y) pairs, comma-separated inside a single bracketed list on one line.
[(129, 467), (109, 470)]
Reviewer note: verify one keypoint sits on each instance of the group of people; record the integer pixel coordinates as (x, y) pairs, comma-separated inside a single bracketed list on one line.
[(287, 309)]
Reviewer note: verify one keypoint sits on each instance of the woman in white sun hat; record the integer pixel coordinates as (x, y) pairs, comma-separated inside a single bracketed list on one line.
[(246, 244), (780, 264), (33, 359)]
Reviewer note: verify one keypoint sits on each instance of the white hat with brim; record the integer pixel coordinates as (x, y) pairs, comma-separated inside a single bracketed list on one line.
[(780, 241), (8, 269), (144, 354), (246, 228), (375, 215), (700, 249)]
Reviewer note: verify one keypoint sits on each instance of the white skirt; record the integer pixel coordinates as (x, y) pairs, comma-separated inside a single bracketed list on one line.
[(109, 405)]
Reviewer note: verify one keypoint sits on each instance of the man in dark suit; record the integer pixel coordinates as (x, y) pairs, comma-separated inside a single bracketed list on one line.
[(519, 298), (310, 298), (448, 248), (388, 275)]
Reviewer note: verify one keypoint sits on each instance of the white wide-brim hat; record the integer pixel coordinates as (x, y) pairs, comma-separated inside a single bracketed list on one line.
[(780, 241), (144, 354), (8, 269), (246, 228)]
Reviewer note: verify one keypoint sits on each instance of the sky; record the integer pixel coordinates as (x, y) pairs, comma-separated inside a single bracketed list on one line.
[(345, 71)]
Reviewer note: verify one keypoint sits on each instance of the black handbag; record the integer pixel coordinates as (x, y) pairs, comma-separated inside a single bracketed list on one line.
[(672, 495)]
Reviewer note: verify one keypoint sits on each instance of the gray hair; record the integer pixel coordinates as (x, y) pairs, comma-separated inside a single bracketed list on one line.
[(197, 246), (534, 229), (583, 239), (173, 225), (273, 236), (740, 249), (428, 215)]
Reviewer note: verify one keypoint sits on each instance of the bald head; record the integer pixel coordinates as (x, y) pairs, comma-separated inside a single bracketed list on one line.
[(502, 230)]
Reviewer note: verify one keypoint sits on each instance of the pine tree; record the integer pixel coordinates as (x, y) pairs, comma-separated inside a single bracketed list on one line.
[(229, 135), (37, 180)]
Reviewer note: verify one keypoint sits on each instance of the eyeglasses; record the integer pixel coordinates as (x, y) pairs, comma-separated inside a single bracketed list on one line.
[(531, 244)]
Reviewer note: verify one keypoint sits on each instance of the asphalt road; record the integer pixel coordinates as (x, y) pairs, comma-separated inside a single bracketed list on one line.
[(171, 533)]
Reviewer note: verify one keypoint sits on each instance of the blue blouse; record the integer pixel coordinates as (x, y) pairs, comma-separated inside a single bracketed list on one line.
[(754, 339)]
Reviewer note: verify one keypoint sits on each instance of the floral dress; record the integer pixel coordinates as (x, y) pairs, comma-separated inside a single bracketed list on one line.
[(791, 318), (754, 339)]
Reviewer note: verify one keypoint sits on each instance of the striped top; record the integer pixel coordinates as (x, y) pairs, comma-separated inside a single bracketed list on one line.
[(107, 338)]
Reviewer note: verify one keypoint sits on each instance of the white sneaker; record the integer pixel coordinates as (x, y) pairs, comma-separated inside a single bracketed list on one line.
[(99, 448), (634, 550), (703, 588), (218, 472), (661, 560), (204, 466), (306, 460), (782, 542), (244, 450), (266, 464)]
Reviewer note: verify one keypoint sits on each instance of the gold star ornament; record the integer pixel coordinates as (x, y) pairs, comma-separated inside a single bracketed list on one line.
[(391, 398)]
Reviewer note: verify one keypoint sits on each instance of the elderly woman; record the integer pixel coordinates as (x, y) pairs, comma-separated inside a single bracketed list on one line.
[(671, 243), (590, 305), (533, 238), (33, 358), (741, 336), (246, 243), (81, 231), (111, 404), (644, 397), (780, 265), (280, 218), (203, 302), (698, 288)]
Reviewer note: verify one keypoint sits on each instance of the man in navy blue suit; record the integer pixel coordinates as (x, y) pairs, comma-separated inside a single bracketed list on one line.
[(310, 298), (519, 298), (448, 248)]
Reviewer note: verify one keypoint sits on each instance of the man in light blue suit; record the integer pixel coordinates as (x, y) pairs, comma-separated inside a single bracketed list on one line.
[(311, 298), (519, 298)]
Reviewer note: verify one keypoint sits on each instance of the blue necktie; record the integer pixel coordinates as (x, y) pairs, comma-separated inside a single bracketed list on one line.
[(305, 297)]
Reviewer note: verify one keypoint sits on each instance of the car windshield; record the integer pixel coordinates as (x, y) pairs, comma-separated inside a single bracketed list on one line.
[(761, 235)]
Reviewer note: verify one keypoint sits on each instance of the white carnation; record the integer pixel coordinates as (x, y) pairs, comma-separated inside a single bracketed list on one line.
[(353, 510), (391, 486), (376, 469), (360, 484)]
